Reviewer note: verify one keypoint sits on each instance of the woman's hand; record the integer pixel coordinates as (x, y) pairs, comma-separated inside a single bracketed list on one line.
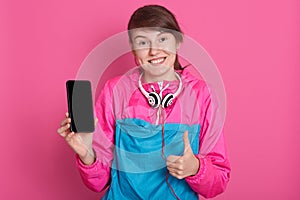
[(186, 165), (81, 143)]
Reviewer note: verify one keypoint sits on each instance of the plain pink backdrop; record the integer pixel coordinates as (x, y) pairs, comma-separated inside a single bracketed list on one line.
[(255, 45)]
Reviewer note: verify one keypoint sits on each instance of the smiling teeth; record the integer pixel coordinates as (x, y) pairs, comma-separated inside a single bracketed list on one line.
[(157, 61)]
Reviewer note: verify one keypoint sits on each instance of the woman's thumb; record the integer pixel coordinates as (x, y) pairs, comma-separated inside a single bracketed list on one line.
[(186, 141)]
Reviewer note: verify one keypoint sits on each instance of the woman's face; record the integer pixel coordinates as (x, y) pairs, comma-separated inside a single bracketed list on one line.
[(156, 53)]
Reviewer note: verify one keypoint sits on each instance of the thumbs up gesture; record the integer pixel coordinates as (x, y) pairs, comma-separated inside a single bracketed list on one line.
[(185, 165)]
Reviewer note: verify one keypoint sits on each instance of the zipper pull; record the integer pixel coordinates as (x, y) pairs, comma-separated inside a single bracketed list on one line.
[(160, 85)]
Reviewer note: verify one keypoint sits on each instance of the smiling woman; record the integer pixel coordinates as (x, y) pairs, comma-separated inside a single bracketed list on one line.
[(156, 53), (156, 18), (153, 123)]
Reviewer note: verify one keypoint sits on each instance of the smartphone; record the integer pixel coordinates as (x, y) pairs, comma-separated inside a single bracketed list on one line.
[(80, 106)]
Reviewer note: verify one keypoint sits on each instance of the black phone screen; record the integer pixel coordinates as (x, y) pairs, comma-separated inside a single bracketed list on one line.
[(80, 106)]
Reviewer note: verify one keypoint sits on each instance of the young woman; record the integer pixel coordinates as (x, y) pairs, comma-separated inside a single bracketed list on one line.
[(153, 124)]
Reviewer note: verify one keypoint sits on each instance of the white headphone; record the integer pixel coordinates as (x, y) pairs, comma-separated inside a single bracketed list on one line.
[(155, 100)]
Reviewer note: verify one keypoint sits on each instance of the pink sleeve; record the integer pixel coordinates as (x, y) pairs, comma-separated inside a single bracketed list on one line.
[(97, 176), (214, 170)]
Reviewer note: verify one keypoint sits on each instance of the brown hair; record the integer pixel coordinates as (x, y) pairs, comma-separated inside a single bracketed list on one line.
[(155, 16)]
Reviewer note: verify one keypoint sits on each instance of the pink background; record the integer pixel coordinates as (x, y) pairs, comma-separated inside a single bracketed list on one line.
[(254, 43)]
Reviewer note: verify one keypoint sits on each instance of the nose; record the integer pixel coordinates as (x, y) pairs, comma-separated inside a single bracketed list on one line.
[(153, 50)]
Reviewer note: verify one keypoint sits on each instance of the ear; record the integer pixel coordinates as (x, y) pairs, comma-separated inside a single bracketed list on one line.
[(133, 52)]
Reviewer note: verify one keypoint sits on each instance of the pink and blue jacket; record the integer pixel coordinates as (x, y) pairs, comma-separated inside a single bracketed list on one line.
[(128, 141)]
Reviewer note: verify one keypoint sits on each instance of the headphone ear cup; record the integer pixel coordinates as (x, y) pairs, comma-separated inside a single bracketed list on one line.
[(154, 99), (167, 101)]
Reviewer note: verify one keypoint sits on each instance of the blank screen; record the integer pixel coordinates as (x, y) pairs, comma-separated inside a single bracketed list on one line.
[(80, 105)]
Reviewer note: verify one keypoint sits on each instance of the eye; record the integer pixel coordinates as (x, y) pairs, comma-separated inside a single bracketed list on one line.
[(162, 39), (142, 43)]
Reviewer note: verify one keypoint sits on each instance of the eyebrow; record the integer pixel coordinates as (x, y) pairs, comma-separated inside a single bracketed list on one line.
[(139, 36)]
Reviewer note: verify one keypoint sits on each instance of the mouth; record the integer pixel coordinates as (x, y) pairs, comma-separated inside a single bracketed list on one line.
[(157, 61)]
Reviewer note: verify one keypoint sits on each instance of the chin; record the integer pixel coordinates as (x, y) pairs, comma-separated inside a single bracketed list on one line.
[(158, 73)]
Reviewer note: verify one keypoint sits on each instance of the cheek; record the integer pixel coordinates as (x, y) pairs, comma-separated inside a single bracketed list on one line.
[(140, 55), (171, 56), (171, 59), (171, 46)]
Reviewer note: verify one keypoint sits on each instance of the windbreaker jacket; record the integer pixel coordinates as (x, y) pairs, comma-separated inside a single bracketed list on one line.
[(128, 141)]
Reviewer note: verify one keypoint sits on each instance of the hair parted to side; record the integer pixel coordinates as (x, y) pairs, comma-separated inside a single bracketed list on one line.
[(156, 16)]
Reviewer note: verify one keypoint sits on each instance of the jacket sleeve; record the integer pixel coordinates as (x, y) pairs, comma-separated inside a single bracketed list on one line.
[(97, 176), (214, 170)]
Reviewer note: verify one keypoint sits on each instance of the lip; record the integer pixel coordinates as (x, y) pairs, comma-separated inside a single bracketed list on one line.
[(157, 61)]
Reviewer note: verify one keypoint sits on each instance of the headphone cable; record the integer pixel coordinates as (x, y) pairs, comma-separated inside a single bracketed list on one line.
[(163, 152)]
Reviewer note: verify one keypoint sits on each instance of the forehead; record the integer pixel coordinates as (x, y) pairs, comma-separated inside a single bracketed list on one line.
[(147, 33)]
